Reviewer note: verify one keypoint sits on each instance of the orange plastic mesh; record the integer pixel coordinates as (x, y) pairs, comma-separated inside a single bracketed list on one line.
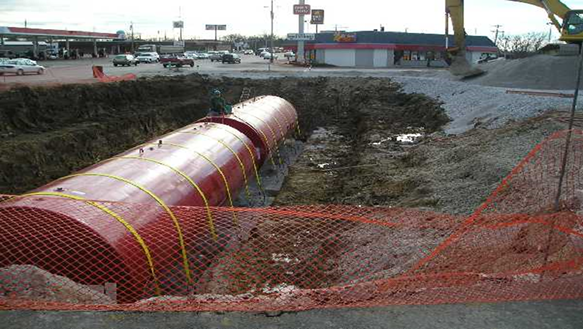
[(514, 247), (102, 77)]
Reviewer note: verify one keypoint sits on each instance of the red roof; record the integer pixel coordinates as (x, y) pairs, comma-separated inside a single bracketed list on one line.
[(59, 33)]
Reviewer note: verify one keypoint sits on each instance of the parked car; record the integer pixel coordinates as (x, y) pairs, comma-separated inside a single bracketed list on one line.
[(289, 55), (176, 60), (25, 61), (147, 58), (249, 52), (231, 59), (203, 56), (218, 55), (191, 55), (7, 54), (268, 56), (20, 67), (124, 60)]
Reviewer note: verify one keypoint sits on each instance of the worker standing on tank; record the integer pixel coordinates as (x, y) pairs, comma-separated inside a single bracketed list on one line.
[(218, 105)]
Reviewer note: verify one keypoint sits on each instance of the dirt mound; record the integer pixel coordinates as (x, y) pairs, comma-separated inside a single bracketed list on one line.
[(536, 72)]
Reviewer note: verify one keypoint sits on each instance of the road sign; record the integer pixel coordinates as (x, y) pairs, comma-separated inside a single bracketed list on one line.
[(317, 16), (212, 27), (301, 36), (178, 24), (302, 9)]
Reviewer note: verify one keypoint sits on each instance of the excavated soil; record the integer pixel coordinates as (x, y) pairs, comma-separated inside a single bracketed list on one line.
[(451, 174), (50, 132)]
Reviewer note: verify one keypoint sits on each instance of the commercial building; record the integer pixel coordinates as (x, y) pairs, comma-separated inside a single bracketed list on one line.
[(39, 36), (372, 49)]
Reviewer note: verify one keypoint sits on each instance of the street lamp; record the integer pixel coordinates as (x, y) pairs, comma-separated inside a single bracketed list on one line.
[(551, 25)]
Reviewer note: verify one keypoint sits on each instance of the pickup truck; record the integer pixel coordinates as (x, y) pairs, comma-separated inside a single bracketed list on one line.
[(178, 61)]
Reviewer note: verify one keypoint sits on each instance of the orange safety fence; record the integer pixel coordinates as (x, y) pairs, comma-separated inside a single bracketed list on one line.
[(61, 252), (102, 77)]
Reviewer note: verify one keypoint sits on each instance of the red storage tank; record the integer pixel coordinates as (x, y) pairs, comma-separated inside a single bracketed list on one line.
[(140, 248), (266, 120), (131, 237)]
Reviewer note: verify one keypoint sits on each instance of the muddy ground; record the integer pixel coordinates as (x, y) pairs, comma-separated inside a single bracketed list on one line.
[(451, 174)]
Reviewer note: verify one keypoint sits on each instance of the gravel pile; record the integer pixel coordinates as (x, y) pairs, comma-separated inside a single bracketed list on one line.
[(470, 106)]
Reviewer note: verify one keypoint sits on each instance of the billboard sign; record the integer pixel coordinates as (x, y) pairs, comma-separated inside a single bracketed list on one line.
[(178, 24), (212, 27), (345, 37), (301, 36), (317, 16), (302, 9)]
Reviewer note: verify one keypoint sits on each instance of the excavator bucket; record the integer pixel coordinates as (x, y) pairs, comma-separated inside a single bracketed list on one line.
[(460, 67)]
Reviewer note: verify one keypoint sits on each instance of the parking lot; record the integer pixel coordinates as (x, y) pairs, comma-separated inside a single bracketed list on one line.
[(79, 71)]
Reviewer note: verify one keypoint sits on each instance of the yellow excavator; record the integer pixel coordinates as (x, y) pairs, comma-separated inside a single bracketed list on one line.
[(568, 22)]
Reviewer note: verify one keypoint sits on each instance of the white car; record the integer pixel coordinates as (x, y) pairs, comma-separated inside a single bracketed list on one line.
[(191, 55), (289, 55), (25, 61), (21, 67), (249, 52), (203, 56), (267, 55), (147, 58)]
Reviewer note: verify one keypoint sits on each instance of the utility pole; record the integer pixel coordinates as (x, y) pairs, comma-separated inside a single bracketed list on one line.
[(300, 54), (496, 32), (132, 29), (180, 19), (551, 25), (272, 50)]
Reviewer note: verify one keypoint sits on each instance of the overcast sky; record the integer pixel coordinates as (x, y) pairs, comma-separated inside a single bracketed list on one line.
[(250, 17)]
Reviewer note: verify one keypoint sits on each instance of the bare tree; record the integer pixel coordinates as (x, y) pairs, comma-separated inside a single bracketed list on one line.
[(523, 45)]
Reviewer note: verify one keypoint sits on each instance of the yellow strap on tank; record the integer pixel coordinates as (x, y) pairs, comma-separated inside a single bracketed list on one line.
[(269, 150), (196, 187), (235, 220), (117, 217), (272, 132), (241, 164), (275, 108), (162, 204), (254, 161)]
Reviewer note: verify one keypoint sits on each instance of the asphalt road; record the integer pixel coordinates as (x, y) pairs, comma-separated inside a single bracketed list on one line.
[(531, 315)]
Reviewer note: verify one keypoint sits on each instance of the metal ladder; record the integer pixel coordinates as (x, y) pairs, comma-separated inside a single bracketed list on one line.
[(245, 94)]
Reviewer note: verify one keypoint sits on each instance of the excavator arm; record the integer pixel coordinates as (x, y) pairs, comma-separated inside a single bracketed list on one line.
[(554, 9), (570, 27), (460, 66)]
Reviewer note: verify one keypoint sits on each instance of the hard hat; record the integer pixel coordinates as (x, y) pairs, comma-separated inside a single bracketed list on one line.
[(217, 92)]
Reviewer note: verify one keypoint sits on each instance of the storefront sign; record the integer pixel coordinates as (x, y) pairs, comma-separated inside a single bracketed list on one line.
[(301, 36), (345, 37)]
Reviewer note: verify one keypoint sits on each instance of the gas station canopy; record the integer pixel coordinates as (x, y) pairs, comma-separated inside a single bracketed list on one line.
[(50, 33)]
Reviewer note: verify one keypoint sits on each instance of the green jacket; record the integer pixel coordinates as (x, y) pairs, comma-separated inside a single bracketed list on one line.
[(218, 104)]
